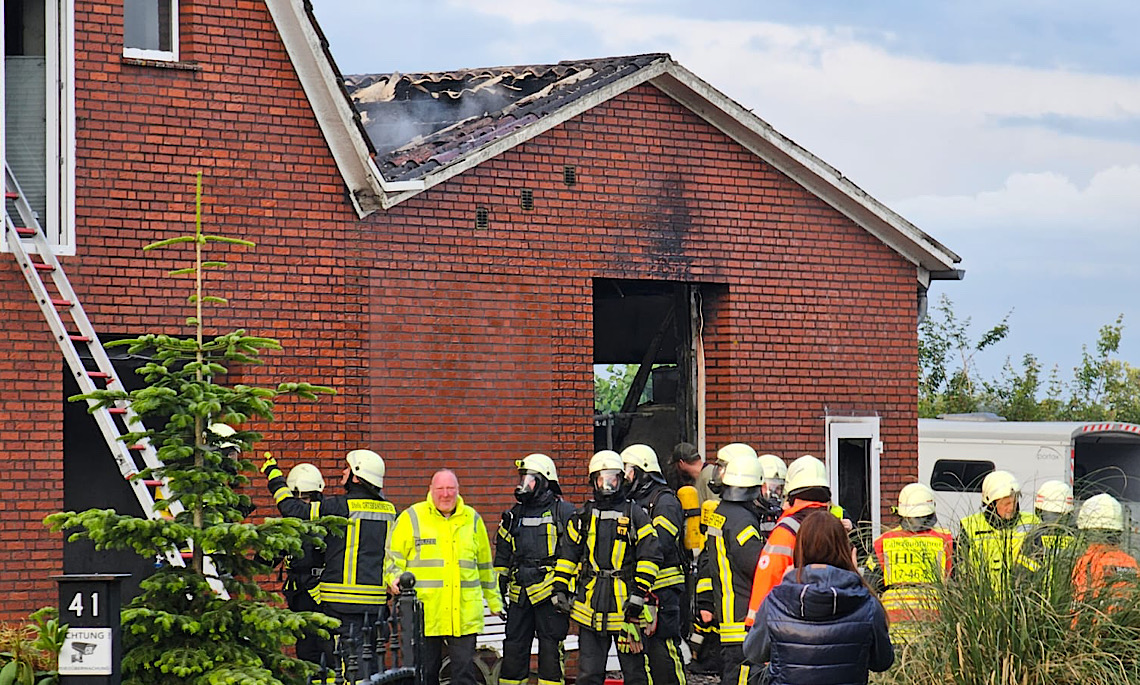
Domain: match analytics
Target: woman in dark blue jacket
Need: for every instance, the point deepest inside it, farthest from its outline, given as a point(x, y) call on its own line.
point(821, 625)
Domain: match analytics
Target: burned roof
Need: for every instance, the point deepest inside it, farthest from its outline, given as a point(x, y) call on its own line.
point(420, 122)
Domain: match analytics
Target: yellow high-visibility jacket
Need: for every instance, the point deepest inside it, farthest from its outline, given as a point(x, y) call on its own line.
point(451, 559)
point(994, 551)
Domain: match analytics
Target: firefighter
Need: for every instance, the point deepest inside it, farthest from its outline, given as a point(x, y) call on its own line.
point(526, 548)
point(1045, 543)
point(707, 648)
point(808, 489)
point(990, 540)
point(351, 587)
point(772, 489)
point(303, 573)
point(909, 561)
point(1101, 521)
point(731, 549)
point(611, 545)
point(649, 489)
point(221, 436)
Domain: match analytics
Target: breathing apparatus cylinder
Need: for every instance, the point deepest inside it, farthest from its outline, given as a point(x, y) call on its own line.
point(691, 506)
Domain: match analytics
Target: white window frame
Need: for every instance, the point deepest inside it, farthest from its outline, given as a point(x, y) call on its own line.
point(158, 55)
point(857, 428)
point(59, 224)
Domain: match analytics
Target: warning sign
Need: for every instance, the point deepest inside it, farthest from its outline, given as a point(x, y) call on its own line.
point(86, 651)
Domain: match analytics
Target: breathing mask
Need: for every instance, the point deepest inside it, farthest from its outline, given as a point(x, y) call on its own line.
point(608, 484)
point(531, 483)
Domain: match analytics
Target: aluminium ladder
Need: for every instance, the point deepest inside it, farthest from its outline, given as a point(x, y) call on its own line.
point(60, 301)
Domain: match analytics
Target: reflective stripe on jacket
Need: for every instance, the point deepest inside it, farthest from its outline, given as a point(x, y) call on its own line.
point(615, 553)
point(777, 554)
point(526, 547)
point(995, 551)
point(451, 559)
point(356, 562)
point(728, 562)
point(912, 563)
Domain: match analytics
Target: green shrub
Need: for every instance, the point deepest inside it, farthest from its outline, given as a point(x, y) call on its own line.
point(29, 652)
point(1030, 630)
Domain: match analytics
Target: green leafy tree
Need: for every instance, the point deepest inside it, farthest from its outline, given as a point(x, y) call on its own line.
point(1103, 386)
point(611, 387)
point(948, 381)
point(179, 629)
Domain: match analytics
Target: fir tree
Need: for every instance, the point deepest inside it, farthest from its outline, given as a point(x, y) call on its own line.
point(180, 629)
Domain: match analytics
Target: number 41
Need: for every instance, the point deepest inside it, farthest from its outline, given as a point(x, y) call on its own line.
point(76, 606)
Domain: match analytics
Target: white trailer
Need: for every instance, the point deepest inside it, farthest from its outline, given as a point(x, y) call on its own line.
point(956, 453)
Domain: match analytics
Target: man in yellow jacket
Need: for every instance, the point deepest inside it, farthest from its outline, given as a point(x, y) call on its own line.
point(444, 543)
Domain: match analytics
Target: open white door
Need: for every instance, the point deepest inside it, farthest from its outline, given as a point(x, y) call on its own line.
point(853, 453)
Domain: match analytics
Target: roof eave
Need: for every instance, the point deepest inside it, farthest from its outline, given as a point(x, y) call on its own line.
point(334, 112)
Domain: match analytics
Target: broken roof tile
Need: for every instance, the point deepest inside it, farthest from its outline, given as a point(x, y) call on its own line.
point(420, 122)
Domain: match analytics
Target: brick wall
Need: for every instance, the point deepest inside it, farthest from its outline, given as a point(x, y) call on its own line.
point(482, 339)
point(234, 111)
point(448, 346)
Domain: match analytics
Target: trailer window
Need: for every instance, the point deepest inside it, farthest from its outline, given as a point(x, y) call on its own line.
point(959, 475)
point(1107, 464)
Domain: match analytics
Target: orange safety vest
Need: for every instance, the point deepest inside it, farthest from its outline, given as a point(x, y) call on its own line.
point(912, 563)
point(1096, 565)
point(776, 557)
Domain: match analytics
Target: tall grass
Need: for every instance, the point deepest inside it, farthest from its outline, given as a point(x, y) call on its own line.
point(1029, 629)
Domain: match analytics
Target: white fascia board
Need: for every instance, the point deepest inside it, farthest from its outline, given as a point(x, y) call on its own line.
point(335, 115)
point(806, 169)
point(541, 126)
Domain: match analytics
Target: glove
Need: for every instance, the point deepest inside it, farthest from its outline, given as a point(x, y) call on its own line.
point(561, 601)
point(629, 639)
point(633, 608)
point(269, 463)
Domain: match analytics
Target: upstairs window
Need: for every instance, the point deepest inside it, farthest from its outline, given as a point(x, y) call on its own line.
point(150, 29)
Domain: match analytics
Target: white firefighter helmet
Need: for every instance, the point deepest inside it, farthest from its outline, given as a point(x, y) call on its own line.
point(540, 464)
point(605, 460)
point(999, 484)
point(641, 456)
point(806, 472)
point(367, 466)
point(223, 431)
point(774, 467)
point(1101, 512)
point(731, 451)
point(743, 472)
point(1054, 496)
point(916, 501)
point(305, 477)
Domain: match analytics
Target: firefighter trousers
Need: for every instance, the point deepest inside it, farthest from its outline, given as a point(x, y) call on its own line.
point(526, 621)
point(663, 648)
point(310, 646)
point(737, 671)
point(593, 649)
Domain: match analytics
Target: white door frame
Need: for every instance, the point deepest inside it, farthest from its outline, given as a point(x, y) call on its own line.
point(858, 428)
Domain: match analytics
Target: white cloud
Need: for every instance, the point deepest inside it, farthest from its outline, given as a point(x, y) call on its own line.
point(1036, 203)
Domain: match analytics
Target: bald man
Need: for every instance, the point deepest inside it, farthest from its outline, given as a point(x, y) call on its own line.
point(444, 543)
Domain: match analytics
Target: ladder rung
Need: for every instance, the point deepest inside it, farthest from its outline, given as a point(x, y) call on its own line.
point(100, 374)
point(40, 266)
point(60, 302)
point(118, 411)
point(79, 338)
point(152, 483)
point(9, 195)
point(25, 232)
point(137, 447)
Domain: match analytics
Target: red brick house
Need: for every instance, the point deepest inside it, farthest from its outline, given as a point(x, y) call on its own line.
point(452, 252)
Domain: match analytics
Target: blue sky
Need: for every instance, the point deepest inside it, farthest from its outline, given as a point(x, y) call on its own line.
point(1009, 131)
